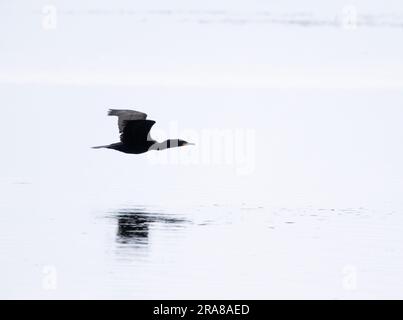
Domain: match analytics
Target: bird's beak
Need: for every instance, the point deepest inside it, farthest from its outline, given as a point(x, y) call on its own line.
point(189, 144)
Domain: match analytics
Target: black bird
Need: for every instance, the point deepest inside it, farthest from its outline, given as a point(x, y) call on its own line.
point(135, 134)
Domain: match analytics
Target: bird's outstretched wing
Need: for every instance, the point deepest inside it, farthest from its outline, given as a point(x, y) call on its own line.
point(126, 115)
point(136, 132)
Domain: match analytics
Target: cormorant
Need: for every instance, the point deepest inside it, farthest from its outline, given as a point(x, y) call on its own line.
point(135, 134)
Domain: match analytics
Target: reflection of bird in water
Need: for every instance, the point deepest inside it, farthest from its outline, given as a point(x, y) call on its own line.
point(135, 134)
point(132, 228)
point(134, 225)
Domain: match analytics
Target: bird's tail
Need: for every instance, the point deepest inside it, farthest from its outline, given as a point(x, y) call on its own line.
point(100, 147)
point(114, 112)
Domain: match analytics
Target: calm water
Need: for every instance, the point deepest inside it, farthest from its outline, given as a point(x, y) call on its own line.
point(77, 223)
point(199, 251)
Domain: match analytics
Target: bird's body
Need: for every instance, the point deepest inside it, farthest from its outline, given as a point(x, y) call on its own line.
point(135, 134)
point(119, 146)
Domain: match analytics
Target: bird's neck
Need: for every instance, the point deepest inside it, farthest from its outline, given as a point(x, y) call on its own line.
point(167, 144)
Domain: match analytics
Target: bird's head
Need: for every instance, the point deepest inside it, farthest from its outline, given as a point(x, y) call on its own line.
point(183, 143)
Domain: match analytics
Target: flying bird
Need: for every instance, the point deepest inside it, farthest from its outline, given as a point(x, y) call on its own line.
point(135, 135)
